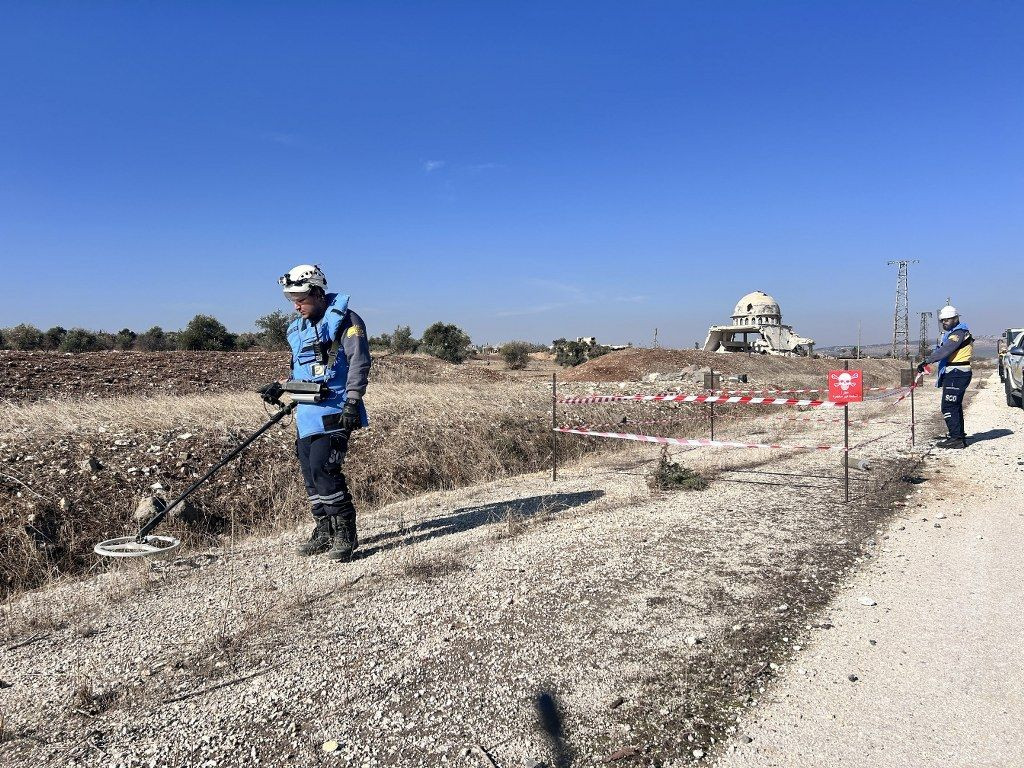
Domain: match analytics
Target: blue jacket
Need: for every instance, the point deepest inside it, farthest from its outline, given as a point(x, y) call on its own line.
point(310, 345)
point(955, 348)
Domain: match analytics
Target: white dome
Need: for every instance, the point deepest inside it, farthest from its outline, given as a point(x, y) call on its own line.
point(757, 305)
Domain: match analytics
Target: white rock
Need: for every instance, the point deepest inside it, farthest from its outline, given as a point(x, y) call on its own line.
point(864, 600)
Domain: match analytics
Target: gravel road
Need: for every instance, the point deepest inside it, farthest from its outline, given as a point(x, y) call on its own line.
point(938, 660)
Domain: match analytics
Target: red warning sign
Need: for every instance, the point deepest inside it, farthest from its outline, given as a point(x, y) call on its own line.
point(845, 386)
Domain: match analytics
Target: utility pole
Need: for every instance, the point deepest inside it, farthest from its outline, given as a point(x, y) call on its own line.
point(655, 338)
point(901, 316)
point(922, 351)
point(859, 324)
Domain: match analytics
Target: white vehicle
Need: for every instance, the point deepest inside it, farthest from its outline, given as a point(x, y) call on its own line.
point(1013, 371)
point(1002, 345)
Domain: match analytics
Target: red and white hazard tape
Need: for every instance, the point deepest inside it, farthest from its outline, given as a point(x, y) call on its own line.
point(685, 398)
point(793, 391)
point(693, 442)
point(739, 397)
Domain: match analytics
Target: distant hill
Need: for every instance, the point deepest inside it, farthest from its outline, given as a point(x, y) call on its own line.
point(984, 346)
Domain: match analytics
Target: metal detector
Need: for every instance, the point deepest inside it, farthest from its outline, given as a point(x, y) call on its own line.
point(143, 544)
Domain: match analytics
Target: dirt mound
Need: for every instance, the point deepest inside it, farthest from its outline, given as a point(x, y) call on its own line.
point(41, 375)
point(762, 370)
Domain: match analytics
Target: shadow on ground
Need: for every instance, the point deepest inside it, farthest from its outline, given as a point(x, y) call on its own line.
point(468, 518)
point(992, 434)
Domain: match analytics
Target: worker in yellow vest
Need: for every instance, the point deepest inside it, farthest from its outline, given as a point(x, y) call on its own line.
point(953, 354)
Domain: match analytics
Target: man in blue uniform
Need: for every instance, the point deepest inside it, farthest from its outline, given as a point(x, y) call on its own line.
point(328, 345)
point(954, 358)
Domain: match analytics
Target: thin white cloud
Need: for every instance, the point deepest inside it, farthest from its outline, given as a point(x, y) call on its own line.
point(567, 296)
point(284, 139)
point(429, 166)
point(537, 309)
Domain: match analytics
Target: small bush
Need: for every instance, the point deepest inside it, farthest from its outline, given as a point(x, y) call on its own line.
point(125, 339)
point(205, 332)
point(53, 337)
point(516, 355)
point(573, 353)
point(382, 342)
point(570, 353)
point(274, 329)
point(669, 475)
point(402, 340)
point(80, 340)
point(24, 337)
point(153, 340)
point(248, 340)
point(447, 342)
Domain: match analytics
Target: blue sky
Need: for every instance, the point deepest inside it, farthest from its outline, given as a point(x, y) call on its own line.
point(525, 170)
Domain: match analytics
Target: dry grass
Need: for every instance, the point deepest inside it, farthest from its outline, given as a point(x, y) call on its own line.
point(422, 437)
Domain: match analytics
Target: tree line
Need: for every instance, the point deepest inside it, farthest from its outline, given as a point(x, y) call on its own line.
point(204, 332)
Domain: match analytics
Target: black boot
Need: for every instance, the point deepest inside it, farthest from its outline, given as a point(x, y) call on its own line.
point(343, 538)
point(319, 540)
point(953, 442)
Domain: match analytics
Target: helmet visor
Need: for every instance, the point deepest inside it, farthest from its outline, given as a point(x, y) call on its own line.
point(294, 290)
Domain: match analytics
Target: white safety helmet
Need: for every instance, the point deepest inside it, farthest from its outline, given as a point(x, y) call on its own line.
point(948, 313)
point(297, 281)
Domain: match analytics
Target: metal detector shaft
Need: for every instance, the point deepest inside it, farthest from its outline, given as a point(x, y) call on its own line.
point(153, 523)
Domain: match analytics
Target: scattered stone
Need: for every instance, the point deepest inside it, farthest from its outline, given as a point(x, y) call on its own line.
point(864, 600)
point(937, 525)
point(91, 464)
point(744, 739)
point(852, 678)
point(783, 607)
point(698, 754)
point(148, 508)
point(940, 516)
point(621, 754)
point(330, 746)
point(617, 702)
point(692, 640)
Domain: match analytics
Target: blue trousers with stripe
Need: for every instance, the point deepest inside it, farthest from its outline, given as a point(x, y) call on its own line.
point(954, 385)
point(321, 458)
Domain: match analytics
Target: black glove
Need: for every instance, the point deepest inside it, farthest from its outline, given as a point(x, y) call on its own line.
point(920, 367)
point(272, 392)
point(350, 418)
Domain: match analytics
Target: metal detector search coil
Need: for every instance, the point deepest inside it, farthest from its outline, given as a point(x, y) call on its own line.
point(133, 546)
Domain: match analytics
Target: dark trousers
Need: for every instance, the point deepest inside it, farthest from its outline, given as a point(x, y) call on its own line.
point(954, 386)
point(321, 458)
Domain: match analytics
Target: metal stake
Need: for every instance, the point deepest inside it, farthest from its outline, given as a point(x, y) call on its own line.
point(712, 405)
point(913, 386)
point(846, 443)
point(554, 426)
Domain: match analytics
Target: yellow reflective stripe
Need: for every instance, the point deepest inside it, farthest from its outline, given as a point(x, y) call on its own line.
point(962, 355)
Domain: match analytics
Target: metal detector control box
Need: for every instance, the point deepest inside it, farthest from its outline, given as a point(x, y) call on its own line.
point(307, 391)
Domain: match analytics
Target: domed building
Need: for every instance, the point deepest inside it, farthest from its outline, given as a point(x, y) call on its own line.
point(757, 327)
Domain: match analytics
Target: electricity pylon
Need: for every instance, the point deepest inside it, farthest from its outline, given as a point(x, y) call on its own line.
point(901, 317)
